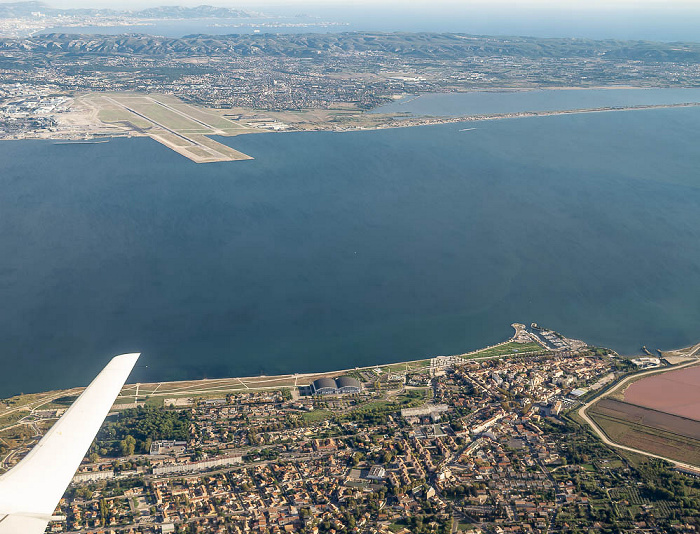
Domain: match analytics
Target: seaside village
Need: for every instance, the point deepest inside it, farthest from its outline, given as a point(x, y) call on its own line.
point(453, 444)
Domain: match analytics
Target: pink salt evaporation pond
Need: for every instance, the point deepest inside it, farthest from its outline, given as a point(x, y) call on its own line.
point(675, 392)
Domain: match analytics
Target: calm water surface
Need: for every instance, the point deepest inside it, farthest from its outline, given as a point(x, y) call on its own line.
point(334, 250)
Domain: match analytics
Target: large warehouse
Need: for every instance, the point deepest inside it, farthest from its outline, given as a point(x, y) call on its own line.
point(339, 386)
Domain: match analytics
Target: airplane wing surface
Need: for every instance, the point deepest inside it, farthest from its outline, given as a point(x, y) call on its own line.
point(30, 491)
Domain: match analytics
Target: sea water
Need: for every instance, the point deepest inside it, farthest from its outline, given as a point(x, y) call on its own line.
point(336, 250)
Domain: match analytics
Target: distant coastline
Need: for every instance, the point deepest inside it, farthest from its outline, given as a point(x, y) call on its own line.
point(209, 150)
point(428, 120)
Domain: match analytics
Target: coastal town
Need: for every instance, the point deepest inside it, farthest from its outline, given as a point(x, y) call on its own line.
point(481, 442)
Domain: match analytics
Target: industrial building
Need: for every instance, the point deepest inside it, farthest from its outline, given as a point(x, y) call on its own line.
point(338, 386)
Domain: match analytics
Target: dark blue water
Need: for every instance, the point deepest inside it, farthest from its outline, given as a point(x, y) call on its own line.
point(335, 250)
point(493, 102)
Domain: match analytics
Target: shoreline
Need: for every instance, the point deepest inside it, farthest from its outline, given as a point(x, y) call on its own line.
point(381, 122)
point(270, 382)
point(214, 386)
point(261, 378)
point(140, 391)
point(428, 120)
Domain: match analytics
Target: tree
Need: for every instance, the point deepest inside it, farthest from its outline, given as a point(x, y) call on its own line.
point(128, 445)
point(84, 493)
point(104, 511)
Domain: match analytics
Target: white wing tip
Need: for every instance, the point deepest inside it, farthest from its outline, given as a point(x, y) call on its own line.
point(30, 490)
point(126, 359)
point(123, 363)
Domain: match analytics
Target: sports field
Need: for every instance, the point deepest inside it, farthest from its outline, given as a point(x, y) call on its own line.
point(180, 126)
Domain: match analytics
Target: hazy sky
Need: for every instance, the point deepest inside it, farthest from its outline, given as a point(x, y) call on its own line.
point(460, 4)
point(662, 20)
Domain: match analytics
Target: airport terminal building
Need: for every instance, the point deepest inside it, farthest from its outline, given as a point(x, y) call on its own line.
point(339, 386)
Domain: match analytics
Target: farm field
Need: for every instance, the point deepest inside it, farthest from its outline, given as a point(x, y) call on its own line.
point(660, 433)
point(650, 418)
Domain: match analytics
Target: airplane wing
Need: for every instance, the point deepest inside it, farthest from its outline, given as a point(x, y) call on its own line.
point(30, 491)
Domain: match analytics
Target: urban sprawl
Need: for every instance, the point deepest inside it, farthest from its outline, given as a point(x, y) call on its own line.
point(484, 442)
point(319, 81)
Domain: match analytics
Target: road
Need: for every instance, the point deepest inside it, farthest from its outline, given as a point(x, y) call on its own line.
point(28, 420)
point(604, 438)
